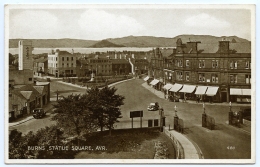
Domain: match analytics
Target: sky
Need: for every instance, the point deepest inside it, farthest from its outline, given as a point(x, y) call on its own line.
point(99, 22)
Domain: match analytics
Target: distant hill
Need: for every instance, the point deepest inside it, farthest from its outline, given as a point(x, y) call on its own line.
point(149, 41)
point(105, 44)
point(129, 41)
point(55, 43)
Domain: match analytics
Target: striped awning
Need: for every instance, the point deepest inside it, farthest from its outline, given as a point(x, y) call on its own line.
point(246, 92)
point(212, 91)
point(175, 88)
point(201, 90)
point(146, 78)
point(167, 86)
point(237, 91)
point(154, 82)
point(188, 88)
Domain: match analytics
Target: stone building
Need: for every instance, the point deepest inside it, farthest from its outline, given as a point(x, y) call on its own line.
point(214, 72)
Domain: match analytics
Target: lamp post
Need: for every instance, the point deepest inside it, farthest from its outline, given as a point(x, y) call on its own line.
point(204, 108)
point(230, 114)
point(175, 109)
point(204, 117)
point(176, 119)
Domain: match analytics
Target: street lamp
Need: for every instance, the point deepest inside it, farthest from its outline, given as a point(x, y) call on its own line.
point(204, 108)
point(175, 109)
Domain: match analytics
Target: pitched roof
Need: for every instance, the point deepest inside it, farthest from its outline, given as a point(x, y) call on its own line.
point(119, 61)
point(27, 94)
point(240, 47)
point(208, 48)
point(41, 60)
point(39, 89)
point(166, 52)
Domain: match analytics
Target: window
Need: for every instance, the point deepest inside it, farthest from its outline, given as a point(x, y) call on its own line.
point(248, 65)
point(214, 63)
point(67, 58)
point(187, 76)
point(179, 75)
point(67, 64)
point(214, 78)
point(202, 64)
point(62, 64)
point(62, 58)
point(233, 65)
point(201, 77)
point(233, 78)
point(30, 79)
point(187, 63)
point(71, 64)
point(56, 64)
point(56, 59)
point(72, 58)
point(248, 79)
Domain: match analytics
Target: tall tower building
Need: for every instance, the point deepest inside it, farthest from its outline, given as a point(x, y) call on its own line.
point(25, 55)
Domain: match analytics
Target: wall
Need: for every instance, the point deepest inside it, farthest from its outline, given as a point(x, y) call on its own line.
point(21, 77)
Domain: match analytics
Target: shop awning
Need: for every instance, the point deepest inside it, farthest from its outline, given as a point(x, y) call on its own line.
point(154, 82)
point(167, 86)
point(212, 91)
point(201, 90)
point(175, 88)
point(235, 91)
point(188, 88)
point(246, 92)
point(146, 78)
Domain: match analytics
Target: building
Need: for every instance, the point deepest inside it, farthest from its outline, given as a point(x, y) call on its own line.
point(24, 74)
point(214, 72)
point(24, 99)
point(24, 93)
point(120, 66)
point(40, 66)
point(61, 63)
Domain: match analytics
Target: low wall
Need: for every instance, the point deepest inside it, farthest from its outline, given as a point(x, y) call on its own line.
point(246, 122)
point(179, 151)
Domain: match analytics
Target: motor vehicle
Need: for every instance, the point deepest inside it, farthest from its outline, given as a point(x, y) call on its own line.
point(153, 106)
point(38, 113)
point(173, 98)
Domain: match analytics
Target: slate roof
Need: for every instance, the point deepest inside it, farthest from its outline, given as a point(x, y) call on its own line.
point(39, 89)
point(119, 61)
point(26, 94)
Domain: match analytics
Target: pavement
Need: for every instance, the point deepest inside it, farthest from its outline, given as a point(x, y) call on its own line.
point(47, 108)
point(189, 149)
point(160, 94)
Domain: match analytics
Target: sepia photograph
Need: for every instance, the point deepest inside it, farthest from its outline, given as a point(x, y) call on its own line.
point(125, 83)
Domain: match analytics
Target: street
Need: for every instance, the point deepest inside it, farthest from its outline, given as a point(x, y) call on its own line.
point(225, 142)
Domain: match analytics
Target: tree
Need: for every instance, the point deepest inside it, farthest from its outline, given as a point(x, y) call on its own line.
point(73, 116)
point(11, 59)
point(24, 147)
point(105, 105)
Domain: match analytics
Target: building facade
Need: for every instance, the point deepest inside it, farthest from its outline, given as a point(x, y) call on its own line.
point(61, 63)
point(214, 72)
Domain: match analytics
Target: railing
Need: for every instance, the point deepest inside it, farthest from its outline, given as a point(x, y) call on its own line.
point(177, 145)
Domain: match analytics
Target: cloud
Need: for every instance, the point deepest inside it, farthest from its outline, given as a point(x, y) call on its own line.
point(98, 23)
point(204, 20)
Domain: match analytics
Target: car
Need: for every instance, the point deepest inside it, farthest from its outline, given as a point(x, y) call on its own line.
point(153, 106)
point(38, 113)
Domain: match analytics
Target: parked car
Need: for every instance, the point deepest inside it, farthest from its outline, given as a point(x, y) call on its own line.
point(153, 106)
point(173, 98)
point(38, 113)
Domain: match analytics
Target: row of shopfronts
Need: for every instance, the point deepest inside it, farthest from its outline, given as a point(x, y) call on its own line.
point(200, 92)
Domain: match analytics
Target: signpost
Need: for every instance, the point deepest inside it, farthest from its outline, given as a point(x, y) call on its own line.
point(134, 114)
